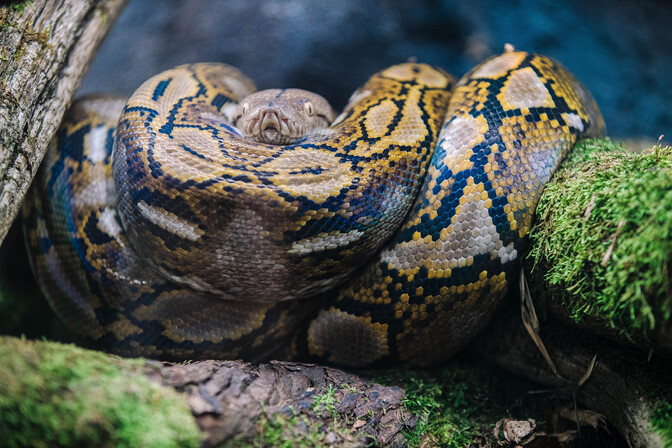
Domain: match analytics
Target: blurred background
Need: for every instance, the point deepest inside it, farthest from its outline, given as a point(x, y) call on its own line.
point(621, 49)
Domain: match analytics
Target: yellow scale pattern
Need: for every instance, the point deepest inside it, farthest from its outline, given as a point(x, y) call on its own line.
point(182, 239)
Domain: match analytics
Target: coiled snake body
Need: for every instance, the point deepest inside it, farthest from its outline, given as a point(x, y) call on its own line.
point(388, 237)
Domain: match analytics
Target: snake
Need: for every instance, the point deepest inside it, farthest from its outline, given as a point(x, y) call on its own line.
point(202, 219)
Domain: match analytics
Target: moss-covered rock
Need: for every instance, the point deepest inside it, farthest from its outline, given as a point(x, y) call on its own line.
point(60, 395)
point(602, 246)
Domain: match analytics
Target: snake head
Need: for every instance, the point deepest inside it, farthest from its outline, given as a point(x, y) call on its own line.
point(282, 116)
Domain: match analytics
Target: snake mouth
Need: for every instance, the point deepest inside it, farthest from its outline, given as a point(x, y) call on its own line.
point(271, 134)
point(271, 127)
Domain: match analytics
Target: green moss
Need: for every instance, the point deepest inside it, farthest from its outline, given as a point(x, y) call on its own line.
point(309, 428)
point(282, 431)
point(20, 7)
point(630, 200)
point(326, 402)
point(661, 422)
point(60, 395)
point(460, 402)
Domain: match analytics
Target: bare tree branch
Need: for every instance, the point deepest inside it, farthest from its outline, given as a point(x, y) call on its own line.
point(45, 48)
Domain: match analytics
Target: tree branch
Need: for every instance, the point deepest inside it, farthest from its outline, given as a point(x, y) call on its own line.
point(45, 48)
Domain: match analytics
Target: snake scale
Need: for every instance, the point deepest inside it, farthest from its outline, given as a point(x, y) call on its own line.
point(156, 228)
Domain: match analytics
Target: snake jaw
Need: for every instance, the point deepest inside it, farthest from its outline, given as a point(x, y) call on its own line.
point(271, 126)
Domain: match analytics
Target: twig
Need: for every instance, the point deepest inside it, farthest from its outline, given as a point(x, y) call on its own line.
point(607, 255)
point(591, 206)
point(531, 322)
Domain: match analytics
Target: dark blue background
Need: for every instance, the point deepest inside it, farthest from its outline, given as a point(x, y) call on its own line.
point(622, 50)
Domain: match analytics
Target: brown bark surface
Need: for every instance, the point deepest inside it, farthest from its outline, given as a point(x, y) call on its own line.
point(45, 48)
point(232, 400)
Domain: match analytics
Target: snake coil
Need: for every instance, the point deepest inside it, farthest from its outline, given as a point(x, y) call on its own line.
point(156, 229)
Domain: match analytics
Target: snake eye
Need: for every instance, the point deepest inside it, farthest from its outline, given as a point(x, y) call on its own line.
point(246, 108)
point(309, 108)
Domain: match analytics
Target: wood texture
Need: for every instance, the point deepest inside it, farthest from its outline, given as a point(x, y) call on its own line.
point(45, 48)
point(229, 399)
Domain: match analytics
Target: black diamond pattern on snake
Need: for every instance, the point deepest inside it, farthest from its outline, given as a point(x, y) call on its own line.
point(200, 220)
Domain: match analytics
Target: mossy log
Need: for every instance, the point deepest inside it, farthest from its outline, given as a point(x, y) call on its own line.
point(601, 253)
point(601, 265)
point(45, 48)
point(54, 394)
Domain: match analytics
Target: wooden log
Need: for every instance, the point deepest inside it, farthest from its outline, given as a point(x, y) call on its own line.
point(45, 49)
point(62, 395)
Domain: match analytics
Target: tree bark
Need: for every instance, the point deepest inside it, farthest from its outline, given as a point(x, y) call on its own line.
point(233, 400)
point(45, 48)
point(63, 395)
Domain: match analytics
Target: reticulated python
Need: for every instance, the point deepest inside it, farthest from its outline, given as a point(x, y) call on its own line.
point(388, 237)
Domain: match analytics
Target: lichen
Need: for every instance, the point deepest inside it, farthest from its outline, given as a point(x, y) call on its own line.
point(53, 394)
point(26, 34)
point(603, 240)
